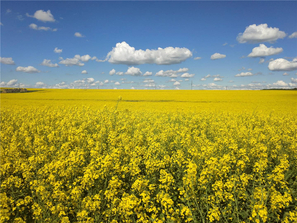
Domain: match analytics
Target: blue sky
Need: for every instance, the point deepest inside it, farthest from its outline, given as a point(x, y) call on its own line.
point(153, 45)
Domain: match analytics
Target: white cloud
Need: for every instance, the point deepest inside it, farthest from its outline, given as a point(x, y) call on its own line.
point(77, 34)
point(43, 16)
point(294, 80)
point(106, 81)
point(293, 35)
point(48, 63)
point(187, 75)
point(134, 71)
point(84, 72)
point(180, 70)
point(285, 74)
point(225, 44)
point(90, 80)
point(280, 84)
point(12, 82)
point(123, 53)
point(148, 81)
point(8, 11)
point(249, 69)
point(148, 73)
point(217, 56)
point(120, 73)
point(197, 58)
point(56, 50)
point(282, 65)
point(76, 60)
point(7, 60)
point(112, 72)
point(203, 79)
point(262, 60)
point(260, 33)
point(171, 73)
point(28, 69)
point(176, 83)
point(1, 23)
point(34, 26)
point(40, 84)
point(217, 79)
point(117, 83)
point(263, 51)
point(85, 58)
point(242, 74)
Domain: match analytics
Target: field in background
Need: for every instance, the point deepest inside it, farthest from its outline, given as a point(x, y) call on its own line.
point(148, 156)
point(284, 101)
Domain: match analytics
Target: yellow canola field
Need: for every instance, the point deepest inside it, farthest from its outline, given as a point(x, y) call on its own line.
point(148, 156)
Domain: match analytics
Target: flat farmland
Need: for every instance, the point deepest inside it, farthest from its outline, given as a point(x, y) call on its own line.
point(148, 156)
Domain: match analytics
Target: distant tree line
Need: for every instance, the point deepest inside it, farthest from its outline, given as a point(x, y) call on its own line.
point(281, 89)
point(14, 90)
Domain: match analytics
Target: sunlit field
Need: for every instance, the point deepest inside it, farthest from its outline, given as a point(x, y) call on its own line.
point(148, 156)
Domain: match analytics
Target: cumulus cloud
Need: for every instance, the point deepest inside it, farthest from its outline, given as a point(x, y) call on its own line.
point(90, 80)
point(242, 74)
point(133, 71)
point(148, 81)
point(180, 70)
point(148, 73)
point(34, 26)
point(119, 73)
point(40, 84)
point(28, 69)
point(285, 74)
point(84, 72)
point(106, 81)
point(56, 50)
point(294, 80)
point(293, 35)
point(176, 83)
point(203, 79)
point(44, 16)
point(1, 23)
point(197, 58)
point(280, 84)
point(123, 53)
point(117, 83)
point(263, 51)
point(48, 63)
point(77, 34)
point(7, 60)
point(217, 56)
point(217, 79)
point(262, 60)
point(112, 72)
point(171, 73)
point(85, 58)
point(76, 60)
point(260, 33)
point(282, 65)
point(12, 82)
point(187, 75)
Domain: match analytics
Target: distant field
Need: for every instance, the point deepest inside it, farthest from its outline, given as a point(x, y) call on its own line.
point(148, 156)
point(284, 101)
